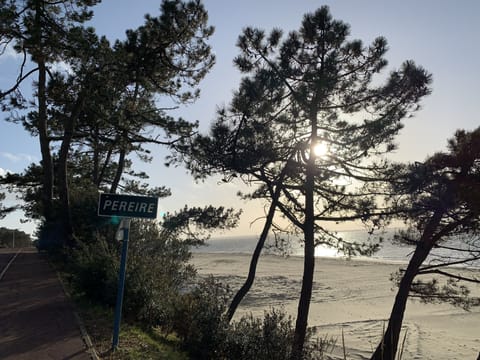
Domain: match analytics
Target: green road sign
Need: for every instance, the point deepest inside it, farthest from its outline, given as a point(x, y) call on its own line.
point(128, 206)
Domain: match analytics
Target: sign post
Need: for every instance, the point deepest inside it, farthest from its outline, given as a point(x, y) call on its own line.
point(125, 226)
point(126, 207)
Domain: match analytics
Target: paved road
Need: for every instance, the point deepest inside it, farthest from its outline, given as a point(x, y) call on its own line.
point(36, 319)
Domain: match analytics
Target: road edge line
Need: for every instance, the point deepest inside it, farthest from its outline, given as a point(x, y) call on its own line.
point(9, 263)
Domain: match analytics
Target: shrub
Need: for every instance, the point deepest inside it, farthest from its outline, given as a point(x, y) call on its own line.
point(157, 269)
point(260, 339)
point(270, 337)
point(200, 320)
point(94, 272)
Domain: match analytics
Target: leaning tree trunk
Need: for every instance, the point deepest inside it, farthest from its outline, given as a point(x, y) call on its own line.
point(256, 254)
point(275, 195)
point(388, 347)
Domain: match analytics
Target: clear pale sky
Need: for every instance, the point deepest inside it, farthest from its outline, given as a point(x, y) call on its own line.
point(440, 35)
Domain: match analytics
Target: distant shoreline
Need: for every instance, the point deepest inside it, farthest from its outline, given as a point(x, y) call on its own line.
point(389, 253)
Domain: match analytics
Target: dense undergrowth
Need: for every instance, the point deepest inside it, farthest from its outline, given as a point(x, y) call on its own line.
point(169, 311)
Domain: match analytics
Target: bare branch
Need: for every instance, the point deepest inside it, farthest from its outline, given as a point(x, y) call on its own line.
point(450, 275)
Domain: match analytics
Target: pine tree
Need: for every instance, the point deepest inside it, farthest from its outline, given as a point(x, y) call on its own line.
point(107, 98)
point(438, 200)
point(313, 112)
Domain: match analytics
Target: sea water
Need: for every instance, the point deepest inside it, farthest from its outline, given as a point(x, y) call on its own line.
point(390, 251)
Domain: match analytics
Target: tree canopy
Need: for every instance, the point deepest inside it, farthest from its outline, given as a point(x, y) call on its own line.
point(92, 118)
point(4, 210)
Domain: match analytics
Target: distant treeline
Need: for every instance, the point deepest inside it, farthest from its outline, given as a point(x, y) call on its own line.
point(9, 237)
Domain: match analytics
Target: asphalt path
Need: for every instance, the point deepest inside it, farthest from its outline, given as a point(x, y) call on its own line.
point(37, 320)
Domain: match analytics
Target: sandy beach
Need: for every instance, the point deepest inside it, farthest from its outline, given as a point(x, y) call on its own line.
point(352, 295)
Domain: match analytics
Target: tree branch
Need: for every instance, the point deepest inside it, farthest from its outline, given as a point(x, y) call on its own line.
point(444, 273)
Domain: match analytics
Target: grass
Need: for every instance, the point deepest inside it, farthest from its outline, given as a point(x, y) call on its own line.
point(135, 342)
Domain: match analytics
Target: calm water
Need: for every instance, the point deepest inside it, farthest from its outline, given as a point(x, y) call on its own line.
point(388, 252)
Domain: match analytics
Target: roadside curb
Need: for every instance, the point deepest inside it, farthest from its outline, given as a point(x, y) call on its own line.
point(86, 338)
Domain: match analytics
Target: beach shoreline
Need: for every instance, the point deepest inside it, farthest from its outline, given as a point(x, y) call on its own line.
point(350, 295)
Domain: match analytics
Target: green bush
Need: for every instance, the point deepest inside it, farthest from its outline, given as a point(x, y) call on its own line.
point(200, 322)
point(199, 319)
point(253, 338)
point(157, 270)
point(94, 272)
point(270, 337)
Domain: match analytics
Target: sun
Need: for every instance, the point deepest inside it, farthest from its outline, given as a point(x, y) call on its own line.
point(320, 149)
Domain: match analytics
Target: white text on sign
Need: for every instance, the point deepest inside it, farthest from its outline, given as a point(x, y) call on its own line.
point(129, 206)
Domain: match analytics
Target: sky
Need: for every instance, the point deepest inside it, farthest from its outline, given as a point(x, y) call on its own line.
point(440, 35)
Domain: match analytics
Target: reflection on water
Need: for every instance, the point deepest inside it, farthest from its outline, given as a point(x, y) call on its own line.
point(324, 251)
point(388, 252)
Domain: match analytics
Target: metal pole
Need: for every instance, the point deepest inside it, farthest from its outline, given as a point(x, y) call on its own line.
point(13, 239)
point(121, 283)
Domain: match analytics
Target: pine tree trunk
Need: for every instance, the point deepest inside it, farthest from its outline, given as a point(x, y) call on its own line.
point(102, 171)
point(63, 187)
point(47, 162)
point(254, 261)
point(119, 172)
point(258, 249)
point(305, 297)
point(388, 347)
point(308, 265)
point(96, 157)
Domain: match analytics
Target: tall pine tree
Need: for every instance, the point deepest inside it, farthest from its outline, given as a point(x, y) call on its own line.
point(313, 113)
point(438, 200)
